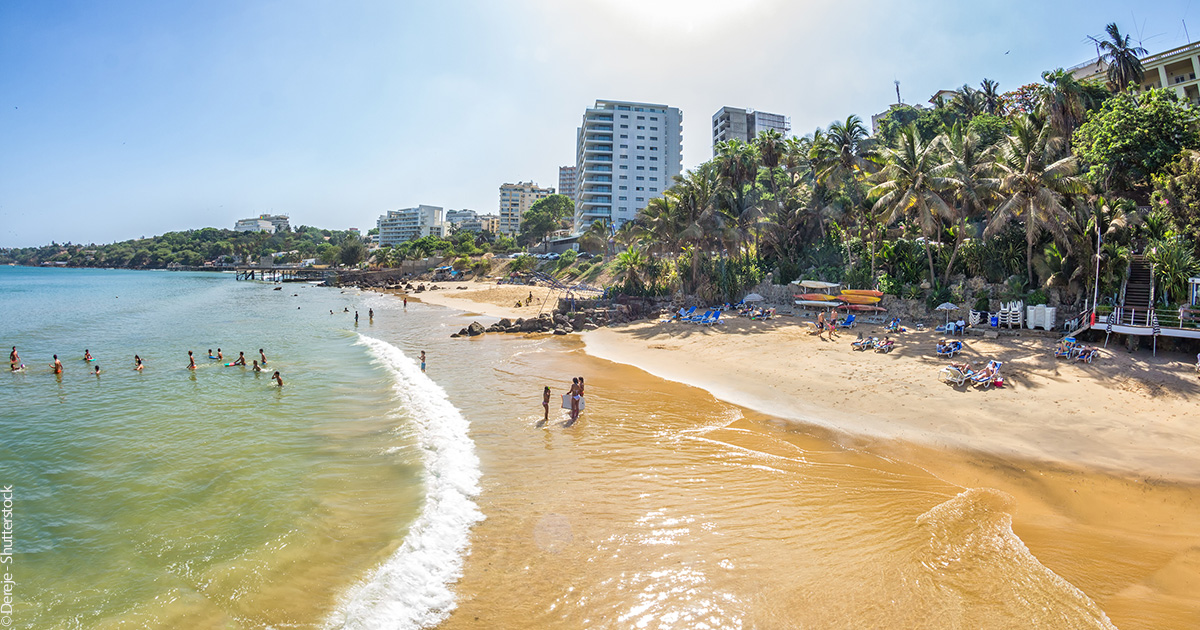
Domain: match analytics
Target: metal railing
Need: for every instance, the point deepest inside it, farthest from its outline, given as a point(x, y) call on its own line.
point(1182, 318)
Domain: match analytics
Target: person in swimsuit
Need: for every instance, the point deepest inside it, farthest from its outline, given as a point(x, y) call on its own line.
point(277, 378)
point(210, 354)
point(97, 372)
point(422, 360)
point(546, 404)
point(370, 313)
point(57, 365)
point(87, 356)
point(220, 357)
point(137, 363)
point(14, 360)
point(406, 301)
point(355, 317)
point(256, 368)
point(191, 361)
point(241, 360)
point(821, 324)
point(262, 356)
point(573, 393)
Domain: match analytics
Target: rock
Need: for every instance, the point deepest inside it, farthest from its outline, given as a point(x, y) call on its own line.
point(475, 329)
point(462, 333)
point(529, 325)
point(455, 336)
point(513, 329)
point(495, 328)
point(504, 323)
point(559, 331)
point(589, 326)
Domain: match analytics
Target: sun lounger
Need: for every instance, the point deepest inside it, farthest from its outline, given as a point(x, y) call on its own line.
point(987, 376)
point(863, 343)
point(885, 346)
point(957, 374)
point(700, 318)
point(708, 317)
point(716, 319)
point(1086, 355)
point(949, 349)
point(849, 323)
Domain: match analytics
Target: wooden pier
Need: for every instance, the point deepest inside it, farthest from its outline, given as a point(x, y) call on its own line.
point(279, 273)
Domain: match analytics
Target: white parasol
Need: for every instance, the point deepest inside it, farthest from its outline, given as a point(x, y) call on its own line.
point(946, 306)
point(753, 297)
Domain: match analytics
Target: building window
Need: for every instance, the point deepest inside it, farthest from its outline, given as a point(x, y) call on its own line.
point(640, 178)
point(641, 137)
point(622, 199)
point(624, 127)
point(624, 115)
point(653, 138)
point(640, 157)
point(623, 136)
point(652, 189)
point(653, 179)
point(654, 168)
point(653, 148)
point(639, 188)
point(624, 166)
point(624, 157)
point(622, 188)
point(624, 146)
point(624, 176)
point(641, 198)
point(652, 158)
point(642, 168)
point(641, 127)
point(641, 147)
point(654, 118)
point(654, 129)
point(641, 118)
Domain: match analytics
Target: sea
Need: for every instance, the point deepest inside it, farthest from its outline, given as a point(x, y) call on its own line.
point(368, 494)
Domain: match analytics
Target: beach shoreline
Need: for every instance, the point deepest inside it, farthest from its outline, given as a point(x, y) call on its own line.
point(1126, 414)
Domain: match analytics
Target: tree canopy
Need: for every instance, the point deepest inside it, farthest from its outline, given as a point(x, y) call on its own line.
point(546, 215)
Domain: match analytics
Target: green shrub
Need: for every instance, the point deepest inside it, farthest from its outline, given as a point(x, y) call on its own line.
point(482, 267)
point(1036, 298)
point(461, 263)
point(982, 303)
point(583, 267)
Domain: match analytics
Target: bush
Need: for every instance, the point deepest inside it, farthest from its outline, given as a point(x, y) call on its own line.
point(461, 263)
point(583, 267)
point(982, 303)
point(524, 262)
point(482, 267)
point(1036, 298)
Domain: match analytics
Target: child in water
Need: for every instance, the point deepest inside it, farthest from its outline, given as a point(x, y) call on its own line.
point(87, 356)
point(278, 379)
point(97, 372)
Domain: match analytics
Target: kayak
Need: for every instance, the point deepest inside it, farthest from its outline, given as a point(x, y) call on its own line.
point(864, 308)
point(816, 284)
point(816, 303)
point(869, 292)
point(859, 299)
point(817, 297)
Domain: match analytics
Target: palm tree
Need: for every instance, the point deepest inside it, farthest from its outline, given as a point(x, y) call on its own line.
point(629, 267)
point(1032, 184)
point(1124, 67)
point(849, 148)
point(737, 165)
point(1065, 101)
point(968, 171)
point(990, 93)
point(595, 237)
point(696, 201)
point(911, 187)
point(968, 102)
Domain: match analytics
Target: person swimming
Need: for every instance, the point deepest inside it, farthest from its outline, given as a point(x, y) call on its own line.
point(57, 365)
point(211, 355)
point(277, 378)
point(241, 360)
point(191, 361)
point(97, 372)
point(137, 363)
point(262, 356)
point(87, 356)
point(220, 357)
point(256, 367)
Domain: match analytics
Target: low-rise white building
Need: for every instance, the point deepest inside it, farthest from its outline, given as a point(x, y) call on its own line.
point(263, 223)
point(399, 226)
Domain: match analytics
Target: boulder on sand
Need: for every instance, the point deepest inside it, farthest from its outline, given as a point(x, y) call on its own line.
point(475, 329)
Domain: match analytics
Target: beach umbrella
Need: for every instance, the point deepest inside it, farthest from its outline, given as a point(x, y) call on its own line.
point(946, 306)
point(1108, 326)
point(753, 297)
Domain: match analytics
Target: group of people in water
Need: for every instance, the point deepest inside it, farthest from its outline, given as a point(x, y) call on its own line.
point(575, 397)
point(15, 364)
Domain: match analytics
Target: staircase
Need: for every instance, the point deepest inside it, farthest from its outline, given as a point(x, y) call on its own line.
point(1138, 285)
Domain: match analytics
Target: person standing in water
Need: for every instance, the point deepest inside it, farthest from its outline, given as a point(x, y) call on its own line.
point(137, 363)
point(256, 368)
point(573, 396)
point(355, 317)
point(14, 359)
point(545, 404)
point(422, 360)
point(191, 361)
point(57, 365)
point(210, 354)
point(277, 378)
point(370, 313)
point(262, 356)
point(241, 360)
point(97, 372)
point(220, 357)
point(87, 356)
point(406, 301)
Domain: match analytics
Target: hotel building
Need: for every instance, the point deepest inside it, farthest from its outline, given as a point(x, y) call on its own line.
point(398, 226)
point(263, 223)
point(732, 123)
point(566, 181)
point(626, 153)
point(1175, 68)
point(515, 201)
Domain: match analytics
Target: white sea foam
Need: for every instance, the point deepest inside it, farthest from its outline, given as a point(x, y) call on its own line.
point(412, 589)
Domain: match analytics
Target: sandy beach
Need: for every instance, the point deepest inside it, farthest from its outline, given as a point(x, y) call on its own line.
point(1129, 414)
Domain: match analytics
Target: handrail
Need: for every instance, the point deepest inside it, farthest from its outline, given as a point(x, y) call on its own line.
point(1140, 317)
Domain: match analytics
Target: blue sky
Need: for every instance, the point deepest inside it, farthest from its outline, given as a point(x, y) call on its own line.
point(128, 119)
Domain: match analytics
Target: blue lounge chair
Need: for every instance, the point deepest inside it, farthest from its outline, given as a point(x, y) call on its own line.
point(707, 317)
point(716, 319)
point(849, 323)
point(684, 315)
point(699, 318)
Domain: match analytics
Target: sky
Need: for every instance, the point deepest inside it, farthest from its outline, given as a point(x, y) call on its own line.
point(125, 119)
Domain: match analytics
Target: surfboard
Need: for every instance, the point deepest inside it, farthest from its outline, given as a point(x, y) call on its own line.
point(566, 402)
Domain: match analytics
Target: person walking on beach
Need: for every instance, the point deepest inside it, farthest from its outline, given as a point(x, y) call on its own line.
point(262, 356)
point(191, 361)
point(137, 363)
point(821, 324)
point(277, 378)
point(57, 365)
point(241, 360)
point(422, 360)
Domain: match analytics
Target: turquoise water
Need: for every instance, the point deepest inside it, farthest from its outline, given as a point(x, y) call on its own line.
point(211, 498)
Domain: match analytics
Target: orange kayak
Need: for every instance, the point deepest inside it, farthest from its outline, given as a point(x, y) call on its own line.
point(817, 297)
point(869, 292)
point(858, 299)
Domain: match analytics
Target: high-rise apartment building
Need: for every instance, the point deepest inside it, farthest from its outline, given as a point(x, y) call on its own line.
point(566, 181)
point(398, 226)
point(626, 154)
point(733, 123)
point(515, 201)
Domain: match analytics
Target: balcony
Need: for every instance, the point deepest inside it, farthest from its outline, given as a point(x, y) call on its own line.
point(598, 178)
point(597, 158)
point(597, 168)
point(607, 138)
point(596, 189)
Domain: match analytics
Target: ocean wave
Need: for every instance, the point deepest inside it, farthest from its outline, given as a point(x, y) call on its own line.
point(412, 589)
